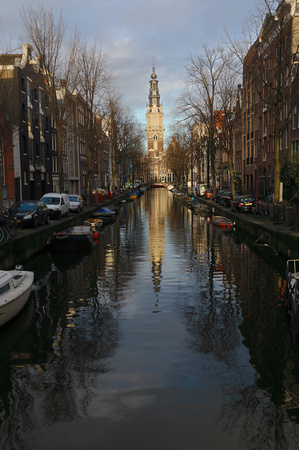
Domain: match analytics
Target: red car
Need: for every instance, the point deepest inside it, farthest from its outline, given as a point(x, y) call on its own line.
point(208, 193)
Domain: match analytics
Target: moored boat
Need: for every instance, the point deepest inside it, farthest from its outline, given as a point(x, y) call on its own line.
point(15, 289)
point(222, 222)
point(73, 238)
point(96, 223)
point(104, 213)
point(157, 185)
point(134, 195)
point(292, 277)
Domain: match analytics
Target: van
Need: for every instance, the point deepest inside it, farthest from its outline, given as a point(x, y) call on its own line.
point(201, 189)
point(58, 204)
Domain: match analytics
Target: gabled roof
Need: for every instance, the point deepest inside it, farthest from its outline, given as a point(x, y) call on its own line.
point(9, 59)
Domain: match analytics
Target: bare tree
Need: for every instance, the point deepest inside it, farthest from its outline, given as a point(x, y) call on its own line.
point(226, 119)
point(46, 34)
point(200, 100)
point(93, 83)
point(179, 153)
point(270, 76)
point(130, 151)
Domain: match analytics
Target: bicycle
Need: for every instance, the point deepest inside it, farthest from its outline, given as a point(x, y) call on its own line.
point(8, 226)
point(259, 209)
point(4, 235)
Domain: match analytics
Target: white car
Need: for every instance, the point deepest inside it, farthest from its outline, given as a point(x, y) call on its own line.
point(76, 203)
point(58, 204)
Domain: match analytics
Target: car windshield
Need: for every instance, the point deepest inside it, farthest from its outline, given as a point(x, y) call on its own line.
point(24, 206)
point(51, 200)
point(73, 198)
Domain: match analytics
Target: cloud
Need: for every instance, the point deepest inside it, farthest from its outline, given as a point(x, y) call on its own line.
point(131, 32)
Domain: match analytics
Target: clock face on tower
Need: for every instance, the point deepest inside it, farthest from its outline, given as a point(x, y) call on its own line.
point(154, 109)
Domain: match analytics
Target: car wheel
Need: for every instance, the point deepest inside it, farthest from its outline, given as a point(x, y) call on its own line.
point(59, 215)
point(47, 221)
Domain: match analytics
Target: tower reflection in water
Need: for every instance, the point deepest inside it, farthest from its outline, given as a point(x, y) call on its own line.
point(156, 243)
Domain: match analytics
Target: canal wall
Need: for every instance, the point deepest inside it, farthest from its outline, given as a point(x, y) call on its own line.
point(263, 230)
point(28, 242)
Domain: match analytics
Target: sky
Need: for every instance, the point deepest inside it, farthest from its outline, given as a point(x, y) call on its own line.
point(133, 33)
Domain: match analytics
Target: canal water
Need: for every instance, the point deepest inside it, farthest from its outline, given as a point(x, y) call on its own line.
point(170, 334)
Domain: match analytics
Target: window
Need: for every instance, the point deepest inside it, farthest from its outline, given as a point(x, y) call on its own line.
point(295, 119)
point(29, 119)
point(42, 152)
point(265, 147)
point(295, 147)
point(24, 145)
point(28, 92)
point(4, 288)
point(31, 156)
point(54, 164)
point(41, 125)
point(23, 113)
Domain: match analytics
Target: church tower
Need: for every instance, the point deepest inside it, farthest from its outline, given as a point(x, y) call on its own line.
point(155, 130)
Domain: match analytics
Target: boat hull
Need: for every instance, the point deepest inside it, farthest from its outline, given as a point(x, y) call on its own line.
point(222, 222)
point(12, 302)
point(104, 213)
point(72, 239)
point(292, 278)
point(157, 185)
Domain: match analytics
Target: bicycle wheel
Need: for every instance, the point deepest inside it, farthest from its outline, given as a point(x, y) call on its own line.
point(4, 235)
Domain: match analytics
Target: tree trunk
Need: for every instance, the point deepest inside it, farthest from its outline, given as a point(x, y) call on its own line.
point(59, 160)
point(277, 165)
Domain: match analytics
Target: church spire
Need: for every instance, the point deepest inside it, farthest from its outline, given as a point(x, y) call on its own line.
point(154, 96)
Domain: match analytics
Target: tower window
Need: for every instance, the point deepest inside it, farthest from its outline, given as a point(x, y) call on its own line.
point(155, 137)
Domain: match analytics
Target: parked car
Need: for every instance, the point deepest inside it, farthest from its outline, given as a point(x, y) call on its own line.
point(208, 193)
point(76, 203)
point(58, 204)
point(219, 195)
point(243, 203)
point(227, 198)
point(29, 213)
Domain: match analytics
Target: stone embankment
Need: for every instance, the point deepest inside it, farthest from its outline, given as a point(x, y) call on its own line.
point(281, 237)
point(28, 242)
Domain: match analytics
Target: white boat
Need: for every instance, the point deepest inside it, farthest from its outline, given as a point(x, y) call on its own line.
point(15, 289)
point(292, 277)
